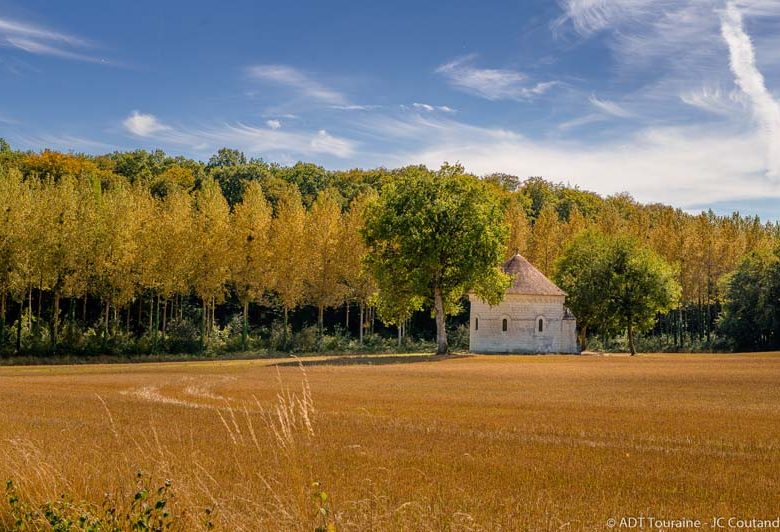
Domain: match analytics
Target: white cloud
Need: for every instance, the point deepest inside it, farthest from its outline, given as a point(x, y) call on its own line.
point(39, 40)
point(143, 125)
point(751, 81)
point(677, 165)
point(298, 81)
point(431, 108)
point(714, 100)
point(491, 83)
point(273, 124)
point(684, 52)
point(256, 140)
point(354, 107)
point(610, 108)
point(581, 121)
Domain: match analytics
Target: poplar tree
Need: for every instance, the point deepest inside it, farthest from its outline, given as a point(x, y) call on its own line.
point(360, 283)
point(212, 259)
point(250, 235)
point(290, 258)
point(325, 280)
point(519, 228)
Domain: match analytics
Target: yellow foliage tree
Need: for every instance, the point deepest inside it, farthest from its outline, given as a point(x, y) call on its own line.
point(250, 270)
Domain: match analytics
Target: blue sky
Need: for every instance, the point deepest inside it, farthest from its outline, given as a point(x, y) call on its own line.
point(675, 101)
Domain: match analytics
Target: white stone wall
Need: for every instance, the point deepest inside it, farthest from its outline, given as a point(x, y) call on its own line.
point(522, 335)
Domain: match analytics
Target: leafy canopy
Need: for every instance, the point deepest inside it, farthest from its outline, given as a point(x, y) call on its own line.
point(440, 230)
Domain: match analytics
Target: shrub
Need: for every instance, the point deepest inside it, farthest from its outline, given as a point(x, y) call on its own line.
point(306, 340)
point(279, 338)
point(182, 336)
point(459, 338)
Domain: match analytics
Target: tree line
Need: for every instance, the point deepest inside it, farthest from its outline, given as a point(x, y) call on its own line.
point(151, 240)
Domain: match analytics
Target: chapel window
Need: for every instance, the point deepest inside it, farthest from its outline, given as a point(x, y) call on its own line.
point(504, 325)
point(541, 325)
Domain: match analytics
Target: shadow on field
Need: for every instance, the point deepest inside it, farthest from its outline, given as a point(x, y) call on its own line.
point(369, 360)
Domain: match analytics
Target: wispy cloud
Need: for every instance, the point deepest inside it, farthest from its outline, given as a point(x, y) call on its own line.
point(751, 81)
point(39, 40)
point(715, 100)
point(610, 108)
point(678, 165)
point(65, 142)
point(431, 108)
point(683, 52)
point(298, 81)
point(256, 140)
point(273, 124)
point(491, 83)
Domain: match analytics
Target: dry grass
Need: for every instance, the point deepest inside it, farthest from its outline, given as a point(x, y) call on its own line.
point(473, 443)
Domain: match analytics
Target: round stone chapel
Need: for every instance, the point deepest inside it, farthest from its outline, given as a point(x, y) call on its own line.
point(532, 318)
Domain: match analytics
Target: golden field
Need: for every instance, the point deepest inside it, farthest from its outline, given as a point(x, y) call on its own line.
point(403, 443)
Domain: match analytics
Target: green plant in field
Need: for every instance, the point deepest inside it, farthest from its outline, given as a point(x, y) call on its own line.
point(324, 521)
point(148, 511)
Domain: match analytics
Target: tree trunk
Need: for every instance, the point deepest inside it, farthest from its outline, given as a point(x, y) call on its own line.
point(361, 322)
point(441, 332)
point(151, 315)
point(321, 319)
point(203, 339)
point(38, 313)
point(72, 311)
point(84, 311)
point(284, 336)
point(19, 329)
point(29, 309)
point(245, 327)
point(399, 335)
point(55, 319)
point(583, 337)
point(164, 317)
point(631, 347)
point(346, 319)
point(2, 319)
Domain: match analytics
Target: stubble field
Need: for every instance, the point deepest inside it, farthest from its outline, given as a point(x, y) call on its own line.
point(465, 443)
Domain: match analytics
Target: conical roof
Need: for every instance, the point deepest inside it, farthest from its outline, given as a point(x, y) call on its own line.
point(527, 280)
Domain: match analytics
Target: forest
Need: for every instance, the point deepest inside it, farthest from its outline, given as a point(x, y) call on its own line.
point(141, 252)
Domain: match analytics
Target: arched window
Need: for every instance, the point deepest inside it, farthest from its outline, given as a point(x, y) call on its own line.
point(504, 325)
point(476, 324)
point(541, 325)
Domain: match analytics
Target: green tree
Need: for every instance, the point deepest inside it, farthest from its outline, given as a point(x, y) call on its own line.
point(614, 283)
point(581, 273)
point(226, 157)
point(438, 235)
point(751, 316)
point(641, 285)
point(395, 308)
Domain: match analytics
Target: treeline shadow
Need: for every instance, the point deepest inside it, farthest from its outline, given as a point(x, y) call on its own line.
point(369, 360)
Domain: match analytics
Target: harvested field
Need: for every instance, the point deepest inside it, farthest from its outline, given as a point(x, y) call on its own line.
point(462, 443)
